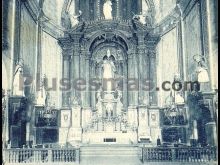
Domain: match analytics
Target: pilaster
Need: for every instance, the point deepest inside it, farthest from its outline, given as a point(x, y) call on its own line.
point(67, 52)
point(133, 85)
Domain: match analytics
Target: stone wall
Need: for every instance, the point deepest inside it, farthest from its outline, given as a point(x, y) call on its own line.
point(52, 9)
point(192, 39)
point(163, 8)
point(52, 66)
point(28, 41)
point(167, 62)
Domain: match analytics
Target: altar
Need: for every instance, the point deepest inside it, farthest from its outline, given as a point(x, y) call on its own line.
point(108, 119)
point(112, 60)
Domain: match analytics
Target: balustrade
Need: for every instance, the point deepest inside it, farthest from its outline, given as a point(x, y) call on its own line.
point(177, 154)
point(149, 154)
point(40, 155)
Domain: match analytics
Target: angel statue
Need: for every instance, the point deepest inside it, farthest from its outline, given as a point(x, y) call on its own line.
point(75, 19)
point(140, 17)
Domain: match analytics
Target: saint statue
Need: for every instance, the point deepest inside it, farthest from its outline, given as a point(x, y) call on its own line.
point(108, 70)
point(42, 95)
point(109, 110)
point(107, 9)
point(202, 72)
point(119, 106)
point(202, 69)
point(18, 82)
point(99, 103)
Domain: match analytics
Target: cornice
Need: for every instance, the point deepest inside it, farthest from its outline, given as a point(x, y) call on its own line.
point(47, 25)
point(168, 23)
point(189, 7)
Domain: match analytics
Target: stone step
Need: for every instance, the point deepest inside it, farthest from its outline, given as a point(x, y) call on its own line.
point(110, 151)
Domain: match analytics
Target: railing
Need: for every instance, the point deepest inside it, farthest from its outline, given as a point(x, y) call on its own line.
point(40, 155)
point(177, 154)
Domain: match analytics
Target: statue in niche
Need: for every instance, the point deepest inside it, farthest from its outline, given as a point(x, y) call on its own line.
point(119, 106)
point(108, 71)
point(42, 94)
point(109, 110)
point(18, 81)
point(99, 103)
point(107, 9)
point(75, 19)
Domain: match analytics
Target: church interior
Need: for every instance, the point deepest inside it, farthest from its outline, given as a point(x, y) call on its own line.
point(79, 73)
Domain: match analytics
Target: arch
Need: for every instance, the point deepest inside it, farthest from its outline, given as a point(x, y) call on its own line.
point(151, 6)
point(116, 32)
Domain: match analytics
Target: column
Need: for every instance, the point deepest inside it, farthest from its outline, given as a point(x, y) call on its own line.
point(75, 64)
point(212, 24)
point(66, 75)
point(14, 45)
point(125, 91)
point(77, 6)
point(87, 77)
point(143, 69)
point(98, 9)
point(84, 75)
point(92, 92)
point(139, 6)
point(132, 79)
point(152, 76)
point(38, 63)
point(117, 9)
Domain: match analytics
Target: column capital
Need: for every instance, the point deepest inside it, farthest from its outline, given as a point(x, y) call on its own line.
point(130, 53)
point(141, 49)
point(67, 52)
point(151, 53)
point(67, 57)
point(65, 43)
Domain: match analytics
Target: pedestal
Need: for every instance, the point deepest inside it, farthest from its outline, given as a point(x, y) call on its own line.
point(143, 123)
point(132, 116)
point(154, 124)
point(75, 136)
point(75, 131)
point(211, 134)
point(63, 135)
point(76, 117)
point(65, 122)
point(86, 117)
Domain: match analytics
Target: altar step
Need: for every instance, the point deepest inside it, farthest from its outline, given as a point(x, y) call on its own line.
point(109, 151)
point(109, 155)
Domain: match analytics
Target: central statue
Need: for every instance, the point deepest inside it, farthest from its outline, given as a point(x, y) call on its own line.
point(108, 70)
point(107, 9)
